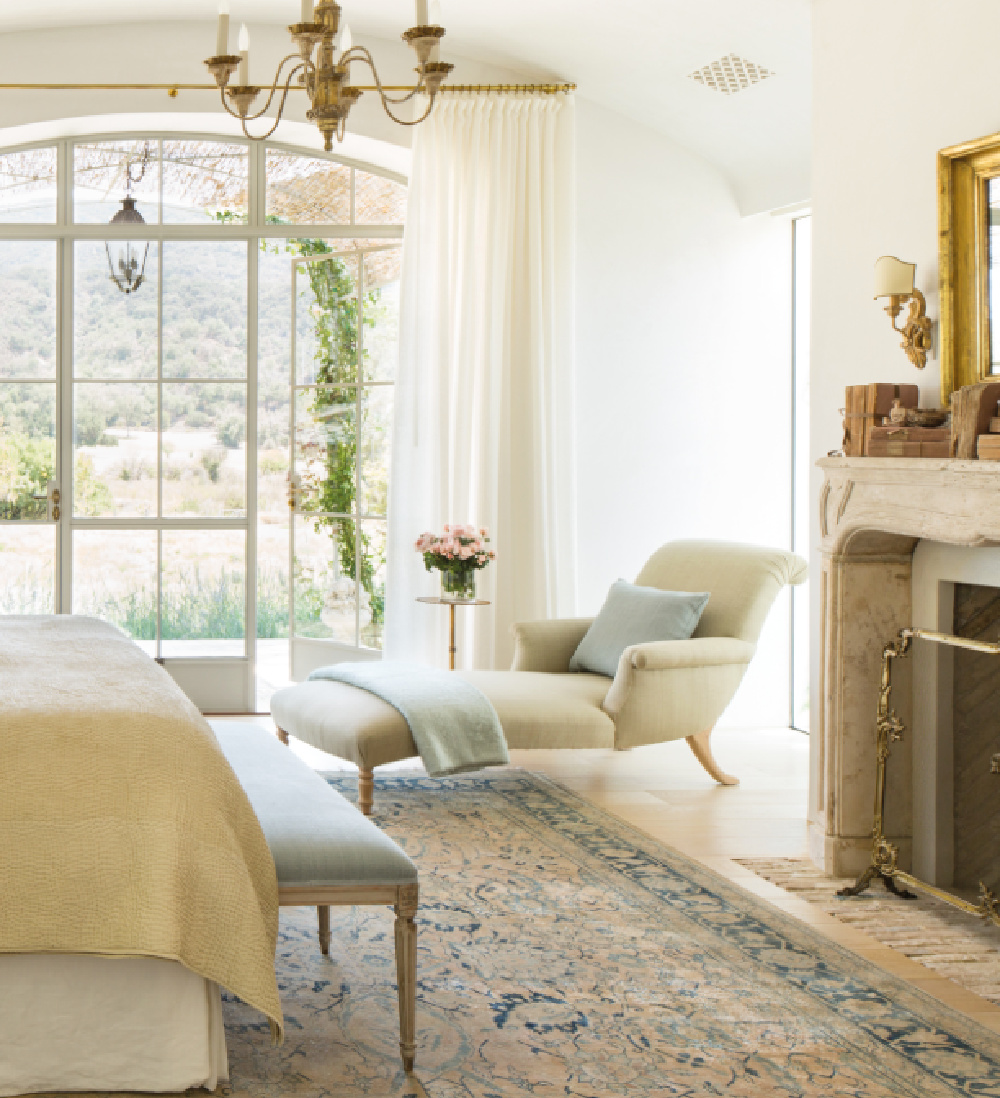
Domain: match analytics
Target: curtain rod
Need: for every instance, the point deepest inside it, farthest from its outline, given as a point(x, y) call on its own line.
point(173, 89)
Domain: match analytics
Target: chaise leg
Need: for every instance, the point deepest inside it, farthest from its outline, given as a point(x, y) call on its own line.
point(366, 790)
point(324, 929)
point(703, 753)
point(406, 971)
point(283, 736)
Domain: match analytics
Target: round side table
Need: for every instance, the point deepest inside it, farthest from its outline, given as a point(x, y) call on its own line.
point(451, 604)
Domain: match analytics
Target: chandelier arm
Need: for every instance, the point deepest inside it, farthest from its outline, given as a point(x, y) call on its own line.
point(277, 84)
point(412, 122)
point(284, 96)
point(226, 107)
point(366, 58)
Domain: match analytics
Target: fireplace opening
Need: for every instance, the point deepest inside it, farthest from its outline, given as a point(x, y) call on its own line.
point(976, 740)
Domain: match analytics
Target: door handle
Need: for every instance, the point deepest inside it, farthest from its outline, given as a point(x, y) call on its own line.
point(52, 499)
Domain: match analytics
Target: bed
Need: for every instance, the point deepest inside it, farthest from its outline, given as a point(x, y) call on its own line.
point(136, 880)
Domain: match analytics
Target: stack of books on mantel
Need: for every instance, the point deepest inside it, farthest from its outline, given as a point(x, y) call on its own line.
point(910, 442)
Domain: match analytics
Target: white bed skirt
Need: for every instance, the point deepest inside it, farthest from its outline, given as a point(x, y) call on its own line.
point(71, 1022)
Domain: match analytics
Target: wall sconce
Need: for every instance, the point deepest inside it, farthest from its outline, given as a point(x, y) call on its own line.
point(894, 280)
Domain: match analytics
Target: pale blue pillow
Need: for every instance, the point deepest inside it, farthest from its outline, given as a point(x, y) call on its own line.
point(636, 615)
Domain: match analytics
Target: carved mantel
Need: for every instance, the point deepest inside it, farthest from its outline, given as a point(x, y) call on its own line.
point(872, 513)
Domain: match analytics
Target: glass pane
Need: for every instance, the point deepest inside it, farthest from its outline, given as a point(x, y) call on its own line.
point(326, 324)
point(28, 187)
point(378, 201)
point(114, 333)
point(204, 308)
point(204, 450)
point(325, 591)
point(381, 305)
point(802, 243)
point(114, 578)
point(305, 190)
point(376, 448)
point(274, 329)
point(372, 576)
point(203, 611)
point(27, 308)
point(100, 175)
point(114, 450)
point(27, 569)
point(204, 181)
point(326, 449)
point(27, 448)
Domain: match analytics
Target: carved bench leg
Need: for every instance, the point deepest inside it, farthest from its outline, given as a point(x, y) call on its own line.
point(406, 971)
point(324, 929)
point(283, 736)
point(703, 753)
point(366, 790)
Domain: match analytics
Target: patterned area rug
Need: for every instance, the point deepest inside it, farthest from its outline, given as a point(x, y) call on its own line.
point(928, 930)
point(563, 953)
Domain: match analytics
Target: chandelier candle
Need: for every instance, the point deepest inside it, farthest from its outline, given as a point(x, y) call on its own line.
point(421, 13)
point(435, 18)
point(222, 35)
point(244, 45)
point(307, 11)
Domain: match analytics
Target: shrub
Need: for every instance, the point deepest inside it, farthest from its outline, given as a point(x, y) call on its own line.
point(211, 462)
point(231, 432)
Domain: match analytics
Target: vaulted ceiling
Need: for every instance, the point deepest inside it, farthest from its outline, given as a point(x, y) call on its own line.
point(632, 56)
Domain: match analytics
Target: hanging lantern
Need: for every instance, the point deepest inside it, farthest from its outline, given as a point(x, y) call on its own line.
point(128, 269)
point(126, 260)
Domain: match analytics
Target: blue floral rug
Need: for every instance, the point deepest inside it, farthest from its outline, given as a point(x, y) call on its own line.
point(564, 953)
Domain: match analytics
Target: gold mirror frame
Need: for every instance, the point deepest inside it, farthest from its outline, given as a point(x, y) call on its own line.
point(964, 172)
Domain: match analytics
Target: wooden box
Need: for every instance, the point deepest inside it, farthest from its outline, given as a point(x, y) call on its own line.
point(972, 408)
point(868, 406)
point(906, 448)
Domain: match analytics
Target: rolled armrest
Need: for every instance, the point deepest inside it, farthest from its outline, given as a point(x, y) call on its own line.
point(547, 645)
point(696, 652)
point(668, 689)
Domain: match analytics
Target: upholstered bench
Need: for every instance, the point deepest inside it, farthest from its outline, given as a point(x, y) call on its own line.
point(325, 852)
point(345, 722)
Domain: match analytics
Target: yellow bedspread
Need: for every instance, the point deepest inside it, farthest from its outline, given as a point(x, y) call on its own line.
point(123, 830)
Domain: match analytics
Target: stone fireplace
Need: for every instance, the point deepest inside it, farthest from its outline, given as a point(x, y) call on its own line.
point(908, 542)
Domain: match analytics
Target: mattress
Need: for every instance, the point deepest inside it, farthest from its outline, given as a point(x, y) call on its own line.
point(71, 1022)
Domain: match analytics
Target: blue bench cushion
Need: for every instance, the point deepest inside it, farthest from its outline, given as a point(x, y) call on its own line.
point(315, 835)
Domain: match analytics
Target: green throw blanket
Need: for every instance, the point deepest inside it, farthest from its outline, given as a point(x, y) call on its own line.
point(454, 725)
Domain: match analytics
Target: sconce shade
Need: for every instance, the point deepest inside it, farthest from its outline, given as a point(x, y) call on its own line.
point(893, 277)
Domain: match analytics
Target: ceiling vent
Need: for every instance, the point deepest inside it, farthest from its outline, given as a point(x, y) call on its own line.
point(730, 74)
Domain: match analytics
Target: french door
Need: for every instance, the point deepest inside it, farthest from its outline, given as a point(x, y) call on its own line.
point(152, 428)
point(343, 344)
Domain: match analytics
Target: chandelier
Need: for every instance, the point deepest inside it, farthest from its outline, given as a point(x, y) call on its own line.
point(128, 271)
point(322, 65)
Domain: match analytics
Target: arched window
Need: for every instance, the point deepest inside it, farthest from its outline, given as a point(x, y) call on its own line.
point(195, 333)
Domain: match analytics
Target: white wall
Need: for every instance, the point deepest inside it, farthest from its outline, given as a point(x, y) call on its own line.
point(683, 350)
point(893, 83)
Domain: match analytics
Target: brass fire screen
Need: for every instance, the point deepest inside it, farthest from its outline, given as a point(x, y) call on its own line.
point(888, 730)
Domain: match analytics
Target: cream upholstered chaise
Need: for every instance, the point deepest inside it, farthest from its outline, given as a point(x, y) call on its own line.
point(662, 691)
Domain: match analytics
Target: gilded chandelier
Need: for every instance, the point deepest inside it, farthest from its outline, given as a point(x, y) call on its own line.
point(322, 66)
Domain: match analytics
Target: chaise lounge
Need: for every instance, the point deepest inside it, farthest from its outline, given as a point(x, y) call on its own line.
point(663, 690)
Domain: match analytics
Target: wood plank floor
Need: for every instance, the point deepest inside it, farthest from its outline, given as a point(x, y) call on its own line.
point(663, 791)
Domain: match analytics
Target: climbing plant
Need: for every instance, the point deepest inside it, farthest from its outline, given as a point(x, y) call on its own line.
point(334, 406)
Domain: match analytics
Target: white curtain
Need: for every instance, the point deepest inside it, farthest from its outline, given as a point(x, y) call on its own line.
point(484, 397)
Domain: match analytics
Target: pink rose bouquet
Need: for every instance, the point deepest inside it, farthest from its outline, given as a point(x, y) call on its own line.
point(458, 549)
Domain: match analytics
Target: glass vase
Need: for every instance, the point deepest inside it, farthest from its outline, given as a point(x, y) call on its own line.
point(458, 585)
